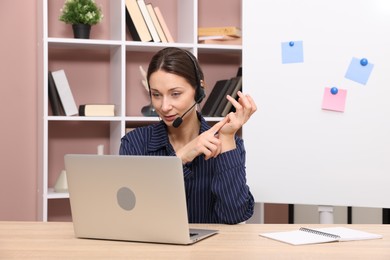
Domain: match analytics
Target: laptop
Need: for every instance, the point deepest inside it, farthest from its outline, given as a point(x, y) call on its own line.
point(131, 198)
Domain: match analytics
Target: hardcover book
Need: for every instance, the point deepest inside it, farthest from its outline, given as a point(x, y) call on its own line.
point(136, 23)
point(156, 23)
point(65, 93)
point(224, 101)
point(215, 96)
point(238, 87)
point(54, 98)
point(163, 24)
point(148, 20)
point(217, 37)
point(225, 30)
point(235, 41)
point(97, 110)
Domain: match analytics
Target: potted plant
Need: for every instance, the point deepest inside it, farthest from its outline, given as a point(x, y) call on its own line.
point(82, 14)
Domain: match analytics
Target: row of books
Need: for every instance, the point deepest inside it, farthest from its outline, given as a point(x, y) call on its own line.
point(62, 101)
point(220, 35)
point(217, 105)
point(146, 22)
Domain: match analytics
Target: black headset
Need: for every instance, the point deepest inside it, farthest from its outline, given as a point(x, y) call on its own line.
point(199, 91)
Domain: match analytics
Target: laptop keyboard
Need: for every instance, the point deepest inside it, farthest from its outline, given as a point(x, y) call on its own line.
point(193, 234)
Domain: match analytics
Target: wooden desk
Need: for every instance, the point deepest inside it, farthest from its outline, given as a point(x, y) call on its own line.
point(53, 240)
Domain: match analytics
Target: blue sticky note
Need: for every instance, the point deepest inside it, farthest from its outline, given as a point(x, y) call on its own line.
point(359, 70)
point(292, 52)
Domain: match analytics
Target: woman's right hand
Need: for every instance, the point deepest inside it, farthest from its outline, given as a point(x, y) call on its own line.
point(206, 143)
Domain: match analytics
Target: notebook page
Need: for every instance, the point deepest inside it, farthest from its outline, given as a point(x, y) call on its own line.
point(348, 234)
point(298, 237)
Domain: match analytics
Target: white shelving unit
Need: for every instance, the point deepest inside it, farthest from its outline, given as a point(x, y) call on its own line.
point(55, 139)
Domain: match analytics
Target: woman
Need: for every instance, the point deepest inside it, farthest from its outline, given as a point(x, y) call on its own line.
point(213, 157)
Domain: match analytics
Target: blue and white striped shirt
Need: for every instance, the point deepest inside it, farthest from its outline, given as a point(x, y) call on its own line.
point(216, 188)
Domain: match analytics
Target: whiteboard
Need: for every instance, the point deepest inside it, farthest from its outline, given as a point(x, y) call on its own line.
point(297, 152)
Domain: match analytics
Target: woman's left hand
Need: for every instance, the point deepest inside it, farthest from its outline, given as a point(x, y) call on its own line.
point(245, 107)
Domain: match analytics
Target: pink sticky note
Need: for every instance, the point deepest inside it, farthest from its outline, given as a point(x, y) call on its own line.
point(335, 102)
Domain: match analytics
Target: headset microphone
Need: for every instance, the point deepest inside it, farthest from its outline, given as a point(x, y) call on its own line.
point(179, 120)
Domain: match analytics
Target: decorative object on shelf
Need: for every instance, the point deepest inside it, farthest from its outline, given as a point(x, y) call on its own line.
point(100, 149)
point(61, 183)
point(81, 31)
point(82, 14)
point(148, 110)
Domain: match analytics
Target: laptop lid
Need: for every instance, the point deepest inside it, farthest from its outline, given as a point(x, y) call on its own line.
point(134, 198)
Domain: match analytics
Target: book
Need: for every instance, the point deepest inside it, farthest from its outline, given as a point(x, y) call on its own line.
point(97, 110)
point(239, 72)
point(306, 236)
point(148, 20)
point(156, 23)
point(221, 96)
point(217, 37)
point(238, 87)
point(224, 101)
point(54, 98)
point(215, 96)
point(225, 30)
point(65, 93)
point(235, 41)
point(136, 23)
point(163, 24)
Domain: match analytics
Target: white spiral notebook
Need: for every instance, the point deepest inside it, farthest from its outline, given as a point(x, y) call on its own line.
point(305, 236)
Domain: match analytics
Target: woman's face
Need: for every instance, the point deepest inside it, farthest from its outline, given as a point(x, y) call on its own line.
point(171, 95)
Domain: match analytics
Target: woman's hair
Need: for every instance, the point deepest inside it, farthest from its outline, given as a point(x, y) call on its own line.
point(179, 62)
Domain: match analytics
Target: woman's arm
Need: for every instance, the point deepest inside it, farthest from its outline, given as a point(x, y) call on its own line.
point(234, 201)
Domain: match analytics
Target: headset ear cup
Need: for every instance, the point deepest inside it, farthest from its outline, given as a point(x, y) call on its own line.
point(200, 95)
point(199, 92)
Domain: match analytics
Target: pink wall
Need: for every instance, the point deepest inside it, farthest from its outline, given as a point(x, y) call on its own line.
point(18, 110)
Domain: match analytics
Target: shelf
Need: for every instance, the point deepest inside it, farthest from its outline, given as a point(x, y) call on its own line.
point(213, 48)
point(51, 194)
point(105, 69)
point(149, 119)
point(82, 118)
point(153, 46)
point(82, 43)
point(156, 119)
